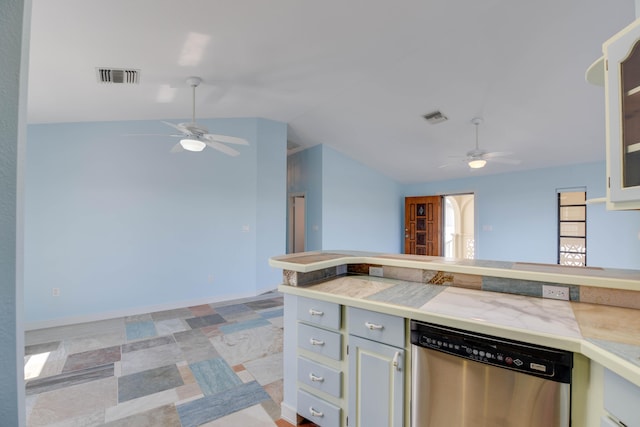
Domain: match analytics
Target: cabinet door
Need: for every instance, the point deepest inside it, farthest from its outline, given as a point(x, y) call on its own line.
point(622, 54)
point(621, 399)
point(376, 384)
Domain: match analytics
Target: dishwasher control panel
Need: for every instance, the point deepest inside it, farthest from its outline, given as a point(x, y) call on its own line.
point(535, 360)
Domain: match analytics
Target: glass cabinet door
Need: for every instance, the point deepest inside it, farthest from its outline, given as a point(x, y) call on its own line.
point(622, 65)
point(630, 90)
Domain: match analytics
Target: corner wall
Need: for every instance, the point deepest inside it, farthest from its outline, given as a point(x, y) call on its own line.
point(14, 55)
point(121, 225)
point(349, 206)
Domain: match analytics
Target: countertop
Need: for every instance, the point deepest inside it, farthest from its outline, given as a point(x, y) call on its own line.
point(608, 335)
point(590, 276)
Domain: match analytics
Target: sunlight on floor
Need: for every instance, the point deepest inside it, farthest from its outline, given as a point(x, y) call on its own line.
point(33, 365)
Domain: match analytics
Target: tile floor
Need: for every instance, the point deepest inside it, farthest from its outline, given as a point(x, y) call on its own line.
point(212, 365)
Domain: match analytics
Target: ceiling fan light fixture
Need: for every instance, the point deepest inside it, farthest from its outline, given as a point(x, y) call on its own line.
point(477, 163)
point(190, 144)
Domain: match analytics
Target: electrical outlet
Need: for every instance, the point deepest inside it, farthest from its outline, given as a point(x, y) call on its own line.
point(376, 271)
point(55, 292)
point(555, 292)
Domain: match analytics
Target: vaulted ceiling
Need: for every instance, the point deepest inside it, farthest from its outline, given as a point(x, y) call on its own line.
point(357, 75)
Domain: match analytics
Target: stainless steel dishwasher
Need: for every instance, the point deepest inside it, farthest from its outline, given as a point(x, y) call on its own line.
point(464, 379)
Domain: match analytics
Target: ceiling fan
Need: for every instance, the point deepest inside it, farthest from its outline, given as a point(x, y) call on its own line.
point(195, 137)
point(478, 158)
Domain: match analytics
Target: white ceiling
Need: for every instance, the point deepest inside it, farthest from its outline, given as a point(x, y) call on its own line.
point(357, 75)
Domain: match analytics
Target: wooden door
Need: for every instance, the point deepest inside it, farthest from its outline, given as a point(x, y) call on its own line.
point(423, 225)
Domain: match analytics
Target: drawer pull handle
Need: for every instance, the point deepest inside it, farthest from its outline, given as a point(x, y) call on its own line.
point(315, 378)
point(314, 341)
point(396, 360)
point(315, 413)
point(316, 312)
point(373, 326)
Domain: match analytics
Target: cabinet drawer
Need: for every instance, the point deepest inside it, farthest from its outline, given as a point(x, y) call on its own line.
point(321, 313)
point(320, 377)
point(376, 326)
point(320, 341)
point(621, 399)
point(317, 410)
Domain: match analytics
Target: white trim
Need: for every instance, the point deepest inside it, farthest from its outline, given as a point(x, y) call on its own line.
point(288, 413)
point(63, 321)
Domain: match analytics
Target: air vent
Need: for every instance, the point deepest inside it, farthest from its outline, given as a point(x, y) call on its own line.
point(118, 75)
point(435, 117)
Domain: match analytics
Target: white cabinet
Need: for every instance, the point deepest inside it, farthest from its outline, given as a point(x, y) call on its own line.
point(319, 362)
point(621, 401)
point(376, 369)
point(622, 91)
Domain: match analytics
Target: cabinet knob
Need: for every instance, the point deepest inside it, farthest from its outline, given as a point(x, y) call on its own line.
point(315, 378)
point(396, 360)
point(315, 312)
point(314, 341)
point(373, 326)
point(315, 413)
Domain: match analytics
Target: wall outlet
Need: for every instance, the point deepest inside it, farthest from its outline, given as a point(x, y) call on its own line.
point(55, 292)
point(376, 271)
point(555, 292)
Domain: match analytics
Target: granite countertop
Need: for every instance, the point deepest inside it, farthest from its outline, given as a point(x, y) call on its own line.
point(592, 276)
point(605, 334)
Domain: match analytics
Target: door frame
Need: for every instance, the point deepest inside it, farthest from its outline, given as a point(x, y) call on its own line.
point(291, 220)
point(442, 216)
point(475, 218)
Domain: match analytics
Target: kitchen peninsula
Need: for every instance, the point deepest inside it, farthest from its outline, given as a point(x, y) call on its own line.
point(599, 323)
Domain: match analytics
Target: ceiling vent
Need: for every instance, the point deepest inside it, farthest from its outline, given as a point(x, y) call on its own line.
point(435, 117)
point(118, 75)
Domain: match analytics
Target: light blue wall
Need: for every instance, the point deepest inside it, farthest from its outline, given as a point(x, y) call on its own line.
point(271, 222)
point(118, 223)
point(361, 208)
point(516, 217)
point(348, 205)
point(304, 175)
point(14, 25)
point(516, 213)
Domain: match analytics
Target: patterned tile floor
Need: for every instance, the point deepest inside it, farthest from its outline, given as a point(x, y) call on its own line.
point(212, 365)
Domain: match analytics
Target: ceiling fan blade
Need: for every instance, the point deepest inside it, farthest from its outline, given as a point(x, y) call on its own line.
point(504, 160)
point(226, 138)
point(494, 154)
point(221, 147)
point(176, 148)
point(153, 134)
point(143, 134)
point(178, 128)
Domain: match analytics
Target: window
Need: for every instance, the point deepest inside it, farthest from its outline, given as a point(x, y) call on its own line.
point(572, 228)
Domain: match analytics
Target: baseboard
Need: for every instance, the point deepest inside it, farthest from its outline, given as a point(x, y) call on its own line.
point(288, 413)
point(94, 317)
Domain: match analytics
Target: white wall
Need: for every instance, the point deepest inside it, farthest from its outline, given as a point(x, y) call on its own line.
point(121, 225)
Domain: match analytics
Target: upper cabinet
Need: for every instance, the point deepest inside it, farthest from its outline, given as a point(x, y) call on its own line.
point(622, 91)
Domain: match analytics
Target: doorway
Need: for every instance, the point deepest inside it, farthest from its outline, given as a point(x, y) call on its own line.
point(440, 226)
point(297, 227)
point(459, 231)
